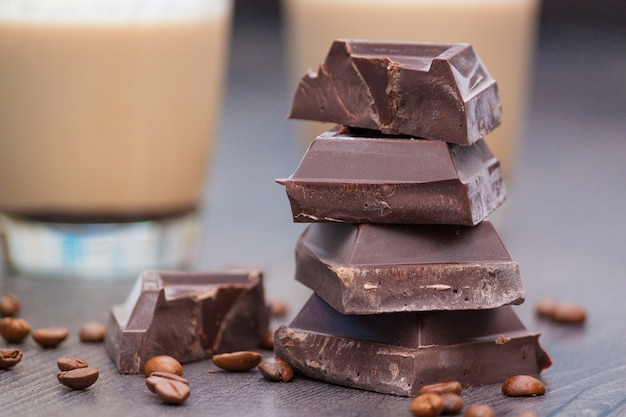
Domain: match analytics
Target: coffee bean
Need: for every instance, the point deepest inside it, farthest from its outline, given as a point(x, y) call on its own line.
point(276, 369)
point(561, 311)
point(527, 414)
point(441, 387)
point(14, 330)
point(79, 378)
point(9, 305)
point(237, 361)
point(92, 332)
point(523, 386)
point(568, 312)
point(163, 363)
point(9, 357)
point(452, 403)
point(479, 410)
point(171, 391)
point(278, 308)
point(156, 377)
point(49, 337)
point(267, 341)
point(67, 364)
point(426, 405)
point(546, 307)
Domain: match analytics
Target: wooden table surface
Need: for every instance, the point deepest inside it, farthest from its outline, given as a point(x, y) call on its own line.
point(564, 223)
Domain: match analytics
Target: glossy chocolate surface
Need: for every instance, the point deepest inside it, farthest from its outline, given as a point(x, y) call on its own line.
point(428, 90)
point(397, 353)
point(370, 269)
point(357, 177)
point(187, 315)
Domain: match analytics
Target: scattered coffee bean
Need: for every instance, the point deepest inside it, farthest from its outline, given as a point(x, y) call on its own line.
point(14, 330)
point(278, 308)
point(570, 313)
point(479, 410)
point(67, 364)
point(561, 311)
point(156, 377)
point(523, 386)
point(426, 405)
point(9, 305)
point(163, 363)
point(171, 391)
point(79, 378)
point(49, 337)
point(237, 361)
point(92, 332)
point(9, 357)
point(276, 369)
point(441, 387)
point(452, 403)
point(546, 307)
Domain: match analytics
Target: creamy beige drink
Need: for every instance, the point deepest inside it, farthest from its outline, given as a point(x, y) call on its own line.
point(501, 31)
point(108, 107)
point(108, 115)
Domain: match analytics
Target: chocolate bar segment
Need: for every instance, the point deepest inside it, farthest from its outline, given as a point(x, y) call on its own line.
point(348, 177)
point(428, 90)
point(187, 315)
point(397, 353)
point(371, 269)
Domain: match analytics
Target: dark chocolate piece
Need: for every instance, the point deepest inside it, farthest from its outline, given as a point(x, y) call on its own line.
point(370, 269)
point(187, 315)
point(346, 177)
point(397, 353)
point(429, 90)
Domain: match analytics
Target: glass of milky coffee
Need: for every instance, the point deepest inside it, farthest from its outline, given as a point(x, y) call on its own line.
point(501, 31)
point(108, 110)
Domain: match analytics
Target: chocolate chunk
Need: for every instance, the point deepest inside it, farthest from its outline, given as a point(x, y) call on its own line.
point(397, 353)
point(429, 90)
point(187, 315)
point(346, 176)
point(369, 269)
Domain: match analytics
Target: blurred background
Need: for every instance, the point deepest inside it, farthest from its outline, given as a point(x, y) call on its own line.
point(595, 12)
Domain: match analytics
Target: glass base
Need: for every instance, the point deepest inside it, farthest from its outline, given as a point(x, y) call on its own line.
point(97, 251)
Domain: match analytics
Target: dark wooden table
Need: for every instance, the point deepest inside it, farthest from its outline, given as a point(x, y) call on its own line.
point(564, 223)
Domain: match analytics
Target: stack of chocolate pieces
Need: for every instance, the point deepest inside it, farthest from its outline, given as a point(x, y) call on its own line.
point(411, 284)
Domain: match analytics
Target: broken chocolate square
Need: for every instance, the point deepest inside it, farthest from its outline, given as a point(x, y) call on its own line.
point(437, 91)
point(370, 269)
point(397, 353)
point(187, 315)
point(346, 176)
